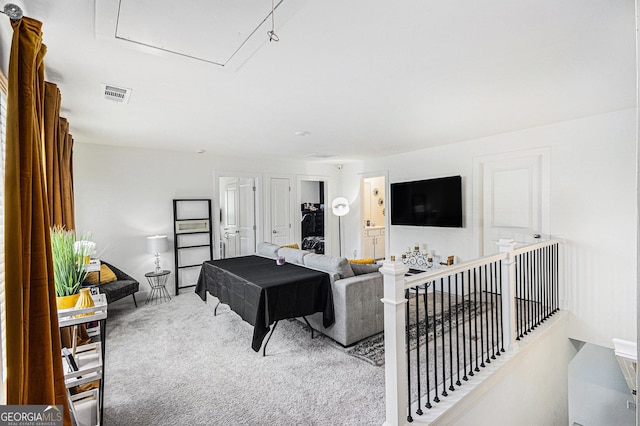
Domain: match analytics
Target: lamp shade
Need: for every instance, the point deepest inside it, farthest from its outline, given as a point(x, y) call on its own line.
point(157, 244)
point(340, 206)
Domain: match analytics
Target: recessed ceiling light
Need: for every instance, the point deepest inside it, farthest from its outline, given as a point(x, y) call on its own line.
point(303, 133)
point(320, 155)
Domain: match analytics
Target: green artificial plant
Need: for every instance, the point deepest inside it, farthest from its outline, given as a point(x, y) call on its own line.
point(68, 265)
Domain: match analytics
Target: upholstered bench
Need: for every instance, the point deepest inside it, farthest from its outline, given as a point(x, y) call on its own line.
point(123, 285)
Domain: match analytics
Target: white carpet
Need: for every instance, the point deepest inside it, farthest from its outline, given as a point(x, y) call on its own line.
point(177, 364)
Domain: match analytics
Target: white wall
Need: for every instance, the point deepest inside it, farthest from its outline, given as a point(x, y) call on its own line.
point(123, 195)
point(593, 205)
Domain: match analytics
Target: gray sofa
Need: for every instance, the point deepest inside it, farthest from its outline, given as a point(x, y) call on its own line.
point(357, 290)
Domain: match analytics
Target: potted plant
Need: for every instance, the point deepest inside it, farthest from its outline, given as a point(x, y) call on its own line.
point(68, 267)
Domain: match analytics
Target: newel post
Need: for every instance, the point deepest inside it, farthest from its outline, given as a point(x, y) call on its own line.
point(394, 342)
point(507, 245)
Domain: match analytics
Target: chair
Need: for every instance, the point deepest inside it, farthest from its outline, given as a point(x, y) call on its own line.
point(123, 286)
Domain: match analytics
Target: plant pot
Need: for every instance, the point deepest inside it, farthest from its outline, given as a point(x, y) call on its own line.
point(67, 302)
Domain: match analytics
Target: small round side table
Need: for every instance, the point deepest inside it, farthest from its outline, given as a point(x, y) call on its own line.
point(158, 282)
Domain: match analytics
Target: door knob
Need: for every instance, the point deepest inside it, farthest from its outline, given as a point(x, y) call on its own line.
point(274, 231)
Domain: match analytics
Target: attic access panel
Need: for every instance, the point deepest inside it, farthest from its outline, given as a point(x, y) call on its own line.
point(208, 30)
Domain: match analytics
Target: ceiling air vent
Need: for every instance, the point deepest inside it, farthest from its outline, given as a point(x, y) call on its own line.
point(116, 94)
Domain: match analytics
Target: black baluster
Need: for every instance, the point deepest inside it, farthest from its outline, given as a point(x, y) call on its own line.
point(549, 281)
point(426, 344)
point(419, 410)
point(556, 285)
point(527, 293)
point(451, 388)
point(519, 296)
point(458, 330)
point(545, 283)
point(538, 287)
point(435, 347)
point(481, 315)
point(541, 281)
point(556, 282)
point(444, 359)
point(531, 323)
point(464, 328)
point(533, 289)
point(475, 317)
point(486, 312)
point(501, 318)
point(492, 271)
point(523, 269)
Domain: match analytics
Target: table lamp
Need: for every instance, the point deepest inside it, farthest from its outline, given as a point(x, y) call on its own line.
point(155, 245)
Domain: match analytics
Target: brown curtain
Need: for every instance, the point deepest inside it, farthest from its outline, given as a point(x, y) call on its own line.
point(58, 147)
point(34, 364)
point(59, 155)
point(65, 158)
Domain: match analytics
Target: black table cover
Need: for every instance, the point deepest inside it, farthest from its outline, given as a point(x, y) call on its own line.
point(262, 292)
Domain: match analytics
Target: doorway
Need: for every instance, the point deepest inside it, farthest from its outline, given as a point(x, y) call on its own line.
point(374, 205)
point(312, 215)
point(237, 216)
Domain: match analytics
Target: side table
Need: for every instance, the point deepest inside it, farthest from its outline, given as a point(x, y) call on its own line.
point(158, 282)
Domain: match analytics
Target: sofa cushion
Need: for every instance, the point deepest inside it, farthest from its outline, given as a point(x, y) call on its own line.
point(116, 290)
point(360, 269)
point(332, 264)
point(292, 255)
point(268, 249)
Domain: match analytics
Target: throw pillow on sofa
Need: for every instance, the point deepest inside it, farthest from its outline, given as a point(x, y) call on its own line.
point(362, 268)
point(331, 264)
point(268, 249)
point(365, 261)
point(106, 276)
point(293, 246)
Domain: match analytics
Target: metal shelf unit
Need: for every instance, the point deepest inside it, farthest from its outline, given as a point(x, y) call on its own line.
point(193, 238)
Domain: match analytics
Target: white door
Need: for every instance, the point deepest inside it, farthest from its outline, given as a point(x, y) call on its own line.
point(280, 202)
point(515, 199)
point(238, 216)
point(246, 229)
point(230, 207)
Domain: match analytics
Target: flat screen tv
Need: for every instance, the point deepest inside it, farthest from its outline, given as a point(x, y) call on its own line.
point(430, 202)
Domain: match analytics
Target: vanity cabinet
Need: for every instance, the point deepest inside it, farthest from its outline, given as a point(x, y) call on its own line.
point(373, 243)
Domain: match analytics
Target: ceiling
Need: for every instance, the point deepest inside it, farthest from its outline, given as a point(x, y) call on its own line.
point(348, 79)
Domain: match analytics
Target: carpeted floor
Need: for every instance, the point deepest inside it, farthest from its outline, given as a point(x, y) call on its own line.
point(177, 364)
